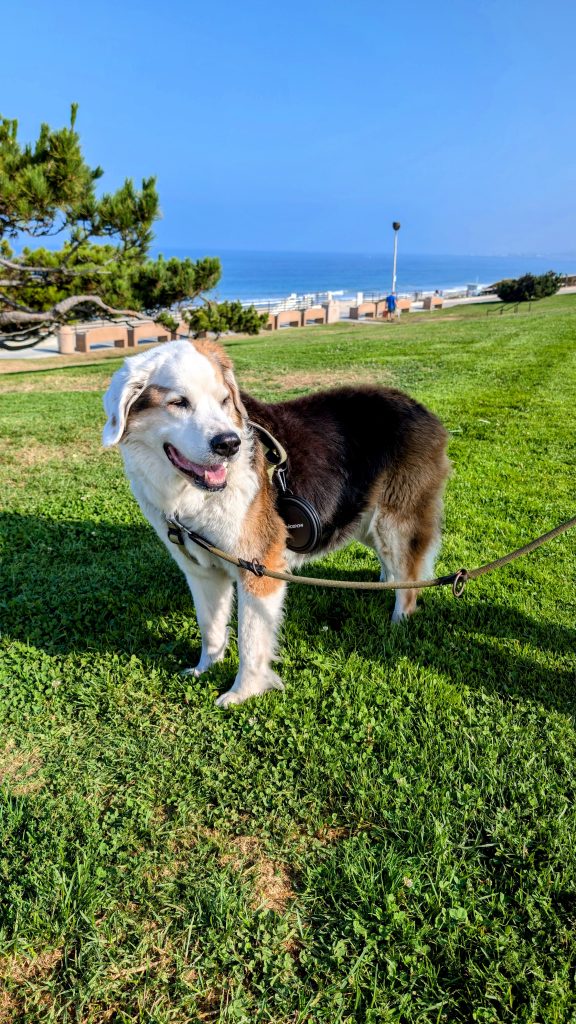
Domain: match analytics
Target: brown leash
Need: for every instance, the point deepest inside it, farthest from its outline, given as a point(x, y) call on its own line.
point(457, 580)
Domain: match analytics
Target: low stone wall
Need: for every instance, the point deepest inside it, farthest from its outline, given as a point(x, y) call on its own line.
point(82, 337)
point(322, 313)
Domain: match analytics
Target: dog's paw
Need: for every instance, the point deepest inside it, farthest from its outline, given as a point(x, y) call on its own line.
point(207, 660)
point(273, 682)
point(237, 695)
point(195, 672)
point(226, 700)
point(400, 618)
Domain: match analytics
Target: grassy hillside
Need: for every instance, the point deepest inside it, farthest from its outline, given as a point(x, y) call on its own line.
point(389, 840)
point(561, 303)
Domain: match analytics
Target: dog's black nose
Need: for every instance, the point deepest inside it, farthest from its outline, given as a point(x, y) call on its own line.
point(225, 444)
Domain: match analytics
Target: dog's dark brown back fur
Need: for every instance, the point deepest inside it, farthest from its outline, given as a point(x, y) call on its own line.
point(343, 443)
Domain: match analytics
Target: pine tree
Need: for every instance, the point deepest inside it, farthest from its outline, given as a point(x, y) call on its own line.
point(103, 267)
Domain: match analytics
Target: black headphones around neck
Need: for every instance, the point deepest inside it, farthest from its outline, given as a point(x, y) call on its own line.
point(301, 518)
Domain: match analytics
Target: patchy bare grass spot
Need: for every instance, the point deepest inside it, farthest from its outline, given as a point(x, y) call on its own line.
point(149, 966)
point(59, 363)
point(311, 379)
point(103, 1015)
point(19, 968)
point(20, 771)
point(38, 453)
point(272, 886)
point(336, 378)
point(208, 1006)
point(332, 835)
point(58, 382)
point(8, 1008)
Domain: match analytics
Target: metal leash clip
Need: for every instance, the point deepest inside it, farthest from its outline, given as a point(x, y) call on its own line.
point(459, 583)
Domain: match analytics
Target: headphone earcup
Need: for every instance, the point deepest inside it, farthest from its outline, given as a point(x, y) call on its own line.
point(302, 521)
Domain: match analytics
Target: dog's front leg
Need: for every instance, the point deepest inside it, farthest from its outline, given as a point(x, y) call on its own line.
point(212, 594)
point(259, 615)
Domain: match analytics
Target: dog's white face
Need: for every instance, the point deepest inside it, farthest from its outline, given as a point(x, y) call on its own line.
point(182, 407)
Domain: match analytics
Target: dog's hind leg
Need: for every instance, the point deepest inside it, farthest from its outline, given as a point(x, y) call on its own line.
point(407, 550)
point(212, 595)
point(259, 616)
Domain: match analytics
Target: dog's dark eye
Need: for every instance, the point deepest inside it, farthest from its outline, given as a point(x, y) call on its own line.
point(226, 401)
point(180, 403)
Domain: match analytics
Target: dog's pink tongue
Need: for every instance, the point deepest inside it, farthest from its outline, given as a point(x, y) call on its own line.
point(214, 475)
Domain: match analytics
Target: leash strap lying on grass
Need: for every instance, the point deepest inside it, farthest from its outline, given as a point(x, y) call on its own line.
point(457, 580)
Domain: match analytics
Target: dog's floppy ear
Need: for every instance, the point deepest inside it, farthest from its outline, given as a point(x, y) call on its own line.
point(230, 382)
point(216, 353)
point(127, 383)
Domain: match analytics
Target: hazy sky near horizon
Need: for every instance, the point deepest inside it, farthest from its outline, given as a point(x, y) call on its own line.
point(312, 125)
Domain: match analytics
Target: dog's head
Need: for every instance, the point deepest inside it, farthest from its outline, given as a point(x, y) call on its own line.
point(181, 402)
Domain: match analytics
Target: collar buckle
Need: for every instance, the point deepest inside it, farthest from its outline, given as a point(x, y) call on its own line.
point(175, 535)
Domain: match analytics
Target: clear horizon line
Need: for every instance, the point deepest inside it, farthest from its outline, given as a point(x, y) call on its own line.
point(567, 254)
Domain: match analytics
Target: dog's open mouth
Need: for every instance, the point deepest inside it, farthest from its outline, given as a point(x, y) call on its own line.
point(213, 477)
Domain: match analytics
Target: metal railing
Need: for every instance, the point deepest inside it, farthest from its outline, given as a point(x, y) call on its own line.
point(294, 301)
point(505, 307)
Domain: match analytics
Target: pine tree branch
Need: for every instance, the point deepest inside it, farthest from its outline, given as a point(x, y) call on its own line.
point(31, 268)
point(43, 229)
point(76, 245)
point(60, 311)
point(13, 305)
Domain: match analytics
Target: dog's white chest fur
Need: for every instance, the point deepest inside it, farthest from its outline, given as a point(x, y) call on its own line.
point(216, 516)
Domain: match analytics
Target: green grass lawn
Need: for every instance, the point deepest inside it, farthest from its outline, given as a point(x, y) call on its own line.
point(392, 839)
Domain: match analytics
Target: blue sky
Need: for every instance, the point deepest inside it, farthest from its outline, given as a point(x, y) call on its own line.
point(312, 125)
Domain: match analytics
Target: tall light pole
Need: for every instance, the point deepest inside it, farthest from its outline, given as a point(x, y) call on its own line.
point(396, 226)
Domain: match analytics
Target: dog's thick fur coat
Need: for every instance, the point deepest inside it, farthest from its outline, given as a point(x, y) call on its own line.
point(371, 460)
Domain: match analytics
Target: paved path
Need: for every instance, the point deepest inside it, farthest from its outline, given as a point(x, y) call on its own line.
point(48, 347)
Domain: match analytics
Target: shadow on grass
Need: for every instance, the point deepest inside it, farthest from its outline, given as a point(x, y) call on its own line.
point(77, 586)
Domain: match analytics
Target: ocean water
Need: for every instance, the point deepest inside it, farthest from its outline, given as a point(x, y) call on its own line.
point(261, 275)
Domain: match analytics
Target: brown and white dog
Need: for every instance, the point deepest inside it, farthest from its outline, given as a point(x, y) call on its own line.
point(371, 460)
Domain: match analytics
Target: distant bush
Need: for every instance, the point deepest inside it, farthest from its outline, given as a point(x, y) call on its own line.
point(530, 286)
point(216, 317)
